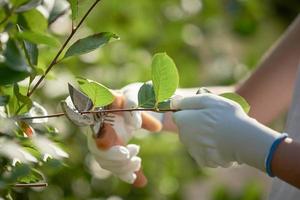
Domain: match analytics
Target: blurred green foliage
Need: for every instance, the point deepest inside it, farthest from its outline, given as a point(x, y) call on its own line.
point(212, 43)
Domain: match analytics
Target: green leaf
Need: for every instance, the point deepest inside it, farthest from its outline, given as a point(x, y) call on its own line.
point(8, 196)
point(17, 172)
point(3, 11)
point(89, 43)
point(164, 76)
point(33, 20)
point(146, 96)
point(9, 76)
point(32, 150)
point(74, 8)
point(4, 100)
point(98, 93)
point(30, 178)
point(14, 58)
point(238, 99)
point(31, 52)
point(38, 38)
point(164, 105)
point(22, 98)
point(28, 6)
point(14, 67)
point(14, 103)
point(17, 3)
point(34, 176)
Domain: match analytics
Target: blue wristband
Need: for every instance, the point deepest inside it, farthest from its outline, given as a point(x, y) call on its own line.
point(272, 150)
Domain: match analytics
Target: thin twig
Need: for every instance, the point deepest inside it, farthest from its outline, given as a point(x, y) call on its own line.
point(54, 61)
point(7, 16)
point(38, 117)
point(25, 185)
point(100, 111)
point(130, 110)
point(5, 19)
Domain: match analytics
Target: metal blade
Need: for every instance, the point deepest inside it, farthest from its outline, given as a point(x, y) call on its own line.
point(75, 117)
point(202, 90)
point(80, 100)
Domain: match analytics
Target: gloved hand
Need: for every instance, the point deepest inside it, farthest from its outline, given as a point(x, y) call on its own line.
point(127, 122)
point(122, 161)
point(111, 151)
point(217, 132)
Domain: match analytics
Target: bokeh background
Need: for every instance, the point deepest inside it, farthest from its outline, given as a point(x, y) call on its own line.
point(213, 42)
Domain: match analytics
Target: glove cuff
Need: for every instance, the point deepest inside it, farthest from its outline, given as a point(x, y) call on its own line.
point(270, 155)
point(253, 144)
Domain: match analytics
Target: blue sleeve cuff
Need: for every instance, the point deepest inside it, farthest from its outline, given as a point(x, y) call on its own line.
point(272, 150)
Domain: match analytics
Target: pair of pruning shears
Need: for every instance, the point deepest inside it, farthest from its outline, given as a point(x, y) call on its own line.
point(75, 108)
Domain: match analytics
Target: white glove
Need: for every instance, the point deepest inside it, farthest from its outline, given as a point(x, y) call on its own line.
point(217, 132)
point(129, 122)
point(122, 161)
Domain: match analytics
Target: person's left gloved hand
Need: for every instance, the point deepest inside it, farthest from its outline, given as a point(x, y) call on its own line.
point(111, 131)
point(111, 150)
point(122, 161)
point(126, 123)
point(217, 132)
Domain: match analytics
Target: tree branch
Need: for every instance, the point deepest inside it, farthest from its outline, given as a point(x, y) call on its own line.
point(100, 111)
point(54, 61)
point(130, 110)
point(25, 185)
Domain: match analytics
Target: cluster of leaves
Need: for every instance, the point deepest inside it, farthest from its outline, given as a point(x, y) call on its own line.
point(155, 94)
point(27, 145)
point(23, 28)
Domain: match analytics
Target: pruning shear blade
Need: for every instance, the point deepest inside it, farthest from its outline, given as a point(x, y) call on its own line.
point(80, 100)
point(74, 116)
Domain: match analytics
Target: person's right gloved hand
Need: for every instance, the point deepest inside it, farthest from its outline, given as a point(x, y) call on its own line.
point(217, 132)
